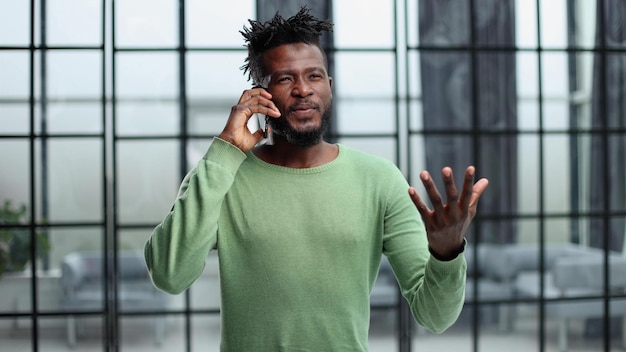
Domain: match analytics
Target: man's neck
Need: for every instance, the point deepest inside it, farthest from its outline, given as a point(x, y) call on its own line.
point(283, 153)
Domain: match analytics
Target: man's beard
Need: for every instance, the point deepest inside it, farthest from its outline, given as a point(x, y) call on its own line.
point(303, 139)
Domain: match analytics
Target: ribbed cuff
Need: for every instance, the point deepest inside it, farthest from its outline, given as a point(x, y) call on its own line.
point(225, 154)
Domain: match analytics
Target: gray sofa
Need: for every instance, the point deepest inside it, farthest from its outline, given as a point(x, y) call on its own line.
point(574, 289)
point(493, 270)
point(498, 275)
point(83, 288)
point(573, 283)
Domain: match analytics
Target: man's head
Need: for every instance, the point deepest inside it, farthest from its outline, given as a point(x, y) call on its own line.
point(260, 37)
point(285, 58)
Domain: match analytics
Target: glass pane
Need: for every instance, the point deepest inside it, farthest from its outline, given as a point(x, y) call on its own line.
point(497, 100)
point(528, 115)
point(526, 23)
point(586, 23)
point(455, 151)
point(417, 160)
point(138, 332)
point(558, 229)
point(556, 171)
point(147, 118)
point(414, 77)
point(494, 23)
point(14, 23)
point(614, 90)
point(555, 76)
point(582, 97)
point(49, 290)
point(15, 282)
point(86, 332)
point(412, 23)
point(15, 161)
point(416, 116)
point(14, 118)
point(444, 24)
point(145, 23)
point(527, 75)
point(53, 336)
point(553, 23)
point(68, 240)
point(74, 74)
point(383, 147)
point(148, 180)
point(196, 148)
point(133, 240)
point(528, 173)
point(74, 22)
point(15, 68)
point(206, 332)
point(147, 75)
point(354, 76)
point(16, 333)
point(75, 117)
point(446, 90)
point(366, 116)
point(556, 115)
point(208, 116)
point(202, 21)
point(75, 177)
point(617, 172)
point(614, 24)
point(528, 230)
point(216, 75)
point(498, 162)
point(363, 26)
point(383, 333)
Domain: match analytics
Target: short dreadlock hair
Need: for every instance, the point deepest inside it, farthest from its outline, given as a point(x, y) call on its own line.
point(260, 37)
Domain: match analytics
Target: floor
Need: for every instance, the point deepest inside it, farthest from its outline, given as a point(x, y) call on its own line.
point(137, 334)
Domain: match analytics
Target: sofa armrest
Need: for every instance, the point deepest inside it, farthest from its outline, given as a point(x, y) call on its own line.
point(588, 272)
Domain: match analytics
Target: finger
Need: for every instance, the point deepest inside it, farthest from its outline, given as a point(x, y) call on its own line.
point(254, 92)
point(262, 105)
point(431, 190)
point(468, 185)
point(448, 180)
point(266, 110)
point(477, 191)
point(419, 204)
point(258, 136)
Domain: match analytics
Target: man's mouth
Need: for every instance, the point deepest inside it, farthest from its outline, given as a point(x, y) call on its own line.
point(303, 110)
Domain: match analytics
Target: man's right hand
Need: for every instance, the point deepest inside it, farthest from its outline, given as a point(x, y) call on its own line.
point(252, 101)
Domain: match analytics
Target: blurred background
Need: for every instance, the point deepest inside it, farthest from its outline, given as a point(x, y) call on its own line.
point(105, 105)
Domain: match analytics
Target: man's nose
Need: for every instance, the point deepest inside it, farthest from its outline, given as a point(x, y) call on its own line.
point(302, 88)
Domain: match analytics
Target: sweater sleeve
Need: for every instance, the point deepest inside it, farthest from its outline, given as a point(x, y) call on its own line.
point(434, 289)
point(177, 249)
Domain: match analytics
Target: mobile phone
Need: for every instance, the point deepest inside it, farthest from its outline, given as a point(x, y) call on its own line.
point(259, 121)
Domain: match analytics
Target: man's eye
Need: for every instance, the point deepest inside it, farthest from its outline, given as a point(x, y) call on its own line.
point(284, 79)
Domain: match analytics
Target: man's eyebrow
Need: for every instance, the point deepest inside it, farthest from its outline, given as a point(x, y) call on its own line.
point(306, 70)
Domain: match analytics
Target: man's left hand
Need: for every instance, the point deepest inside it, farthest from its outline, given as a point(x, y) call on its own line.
point(447, 223)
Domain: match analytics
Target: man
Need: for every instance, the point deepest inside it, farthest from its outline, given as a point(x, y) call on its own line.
point(300, 225)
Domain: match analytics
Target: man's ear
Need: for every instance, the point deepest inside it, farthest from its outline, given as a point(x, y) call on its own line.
point(330, 81)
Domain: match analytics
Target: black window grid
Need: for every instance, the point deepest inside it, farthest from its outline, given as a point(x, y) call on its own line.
point(111, 226)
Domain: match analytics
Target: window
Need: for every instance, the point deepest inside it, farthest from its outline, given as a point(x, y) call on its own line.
point(104, 106)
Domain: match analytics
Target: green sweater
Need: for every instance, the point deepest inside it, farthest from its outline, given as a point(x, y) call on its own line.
point(299, 249)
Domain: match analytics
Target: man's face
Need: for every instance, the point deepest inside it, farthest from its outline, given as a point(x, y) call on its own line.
point(301, 89)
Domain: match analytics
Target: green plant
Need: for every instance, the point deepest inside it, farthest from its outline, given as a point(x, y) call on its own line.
point(15, 250)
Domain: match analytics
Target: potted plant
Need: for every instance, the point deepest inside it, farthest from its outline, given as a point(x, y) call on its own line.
point(15, 250)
